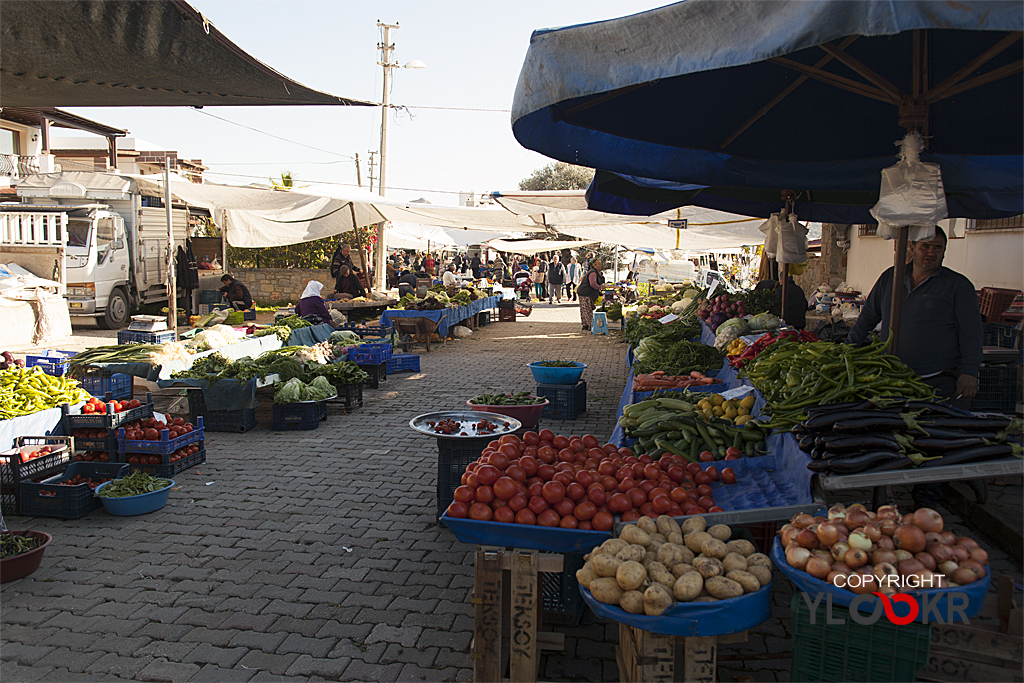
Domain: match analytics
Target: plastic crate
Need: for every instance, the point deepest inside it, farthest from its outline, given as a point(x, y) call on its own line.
point(452, 457)
point(136, 337)
point(566, 401)
point(51, 499)
point(237, 421)
point(761, 535)
point(102, 382)
point(994, 300)
point(378, 374)
point(403, 362)
point(210, 296)
point(51, 365)
point(560, 593)
point(370, 354)
point(108, 443)
point(369, 330)
point(483, 318)
point(13, 471)
point(206, 309)
point(1000, 335)
point(506, 315)
point(76, 420)
point(997, 389)
point(303, 415)
point(165, 446)
point(169, 470)
point(350, 397)
point(249, 314)
point(854, 652)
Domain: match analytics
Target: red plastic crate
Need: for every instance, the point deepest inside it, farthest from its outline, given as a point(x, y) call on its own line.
point(993, 301)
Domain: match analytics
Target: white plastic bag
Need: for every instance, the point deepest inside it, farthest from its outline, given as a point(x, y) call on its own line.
point(792, 247)
point(770, 230)
point(911, 194)
point(460, 331)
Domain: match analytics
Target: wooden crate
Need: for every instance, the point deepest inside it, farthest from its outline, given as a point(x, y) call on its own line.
point(645, 657)
point(980, 651)
point(507, 614)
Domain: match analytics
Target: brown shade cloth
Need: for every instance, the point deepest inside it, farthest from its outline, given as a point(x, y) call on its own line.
point(132, 53)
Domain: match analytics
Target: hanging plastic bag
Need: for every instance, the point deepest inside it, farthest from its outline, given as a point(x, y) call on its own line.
point(792, 247)
point(911, 194)
point(770, 230)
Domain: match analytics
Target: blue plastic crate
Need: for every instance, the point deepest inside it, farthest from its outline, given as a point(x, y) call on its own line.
point(100, 383)
point(51, 365)
point(74, 419)
point(249, 314)
point(52, 499)
point(136, 337)
point(403, 362)
point(237, 421)
point(371, 353)
point(165, 446)
point(210, 296)
point(172, 468)
point(565, 400)
point(369, 330)
point(304, 415)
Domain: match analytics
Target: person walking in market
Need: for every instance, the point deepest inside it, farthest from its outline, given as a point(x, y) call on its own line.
point(539, 276)
point(589, 291)
point(556, 278)
point(573, 275)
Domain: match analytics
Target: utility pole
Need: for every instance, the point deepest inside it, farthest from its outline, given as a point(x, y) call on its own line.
point(371, 170)
point(386, 46)
point(359, 172)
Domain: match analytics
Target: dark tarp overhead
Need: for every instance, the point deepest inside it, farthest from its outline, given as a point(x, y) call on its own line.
point(132, 53)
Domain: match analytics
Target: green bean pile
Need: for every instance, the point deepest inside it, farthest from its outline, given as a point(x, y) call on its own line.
point(13, 544)
point(556, 364)
point(134, 484)
point(793, 376)
point(523, 398)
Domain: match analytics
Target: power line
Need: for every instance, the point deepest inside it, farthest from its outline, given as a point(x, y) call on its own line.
point(327, 182)
point(278, 137)
point(416, 106)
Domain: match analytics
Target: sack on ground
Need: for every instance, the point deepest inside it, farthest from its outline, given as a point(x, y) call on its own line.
point(459, 331)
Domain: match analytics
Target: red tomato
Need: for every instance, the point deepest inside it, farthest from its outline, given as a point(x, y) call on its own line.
point(638, 470)
point(538, 505)
point(609, 483)
point(576, 444)
point(505, 488)
point(626, 484)
point(732, 450)
point(517, 502)
point(606, 468)
point(155, 460)
point(678, 495)
point(480, 512)
point(585, 510)
point(647, 485)
point(560, 442)
point(712, 472)
point(662, 504)
point(529, 465)
point(500, 460)
point(547, 454)
point(706, 502)
point(704, 490)
point(676, 474)
point(151, 435)
point(707, 456)
point(585, 525)
point(692, 493)
point(592, 464)
point(546, 472)
point(585, 478)
point(630, 516)
point(546, 435)
point(563, 478)
point(566, 455)
point(548, 518)
point(531, 438)
point(693, 468)
point(484, 494)
point(597, 496)
point(553, 492)
point(654, 493)
point(637, 497)
point(728, 476)
point(715, 508)
point(575, 492)
point(610, 448)
point(504, 514)
point(487, 474)
point(619, 502)
point(526, 516)
point(569, 522)
point(535, 488)
point(458, 510)
point(652, 472)
point(603, 521)
point(647, 509)
point(465, 494)
point(624, 472)
point(516, 473)
point(732, 457)
point(180, 421)
point(701, 478)
point(134, 403)
point(590, 441)
point(564, 507)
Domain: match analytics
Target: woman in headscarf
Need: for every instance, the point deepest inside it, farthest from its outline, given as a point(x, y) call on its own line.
point(589, 290)
point(311, 304)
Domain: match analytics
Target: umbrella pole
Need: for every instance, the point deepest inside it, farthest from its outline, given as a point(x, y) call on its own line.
point(899, 272)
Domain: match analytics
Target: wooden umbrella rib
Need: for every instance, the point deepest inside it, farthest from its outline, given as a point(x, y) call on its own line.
point(939, 91)
point(782, 95)
point(601, 99)
point(861, 69)
point(994, 75)
point(836, 81)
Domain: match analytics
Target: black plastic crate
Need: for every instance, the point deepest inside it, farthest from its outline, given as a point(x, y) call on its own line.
point(998, 334)
point(997, 389)
point(483, 318)
point(95, 443)
point(452, 457)
point(136, 337)
point(350, 397)
point(854, 652)
point(237, 421)
point(303, 415)
point(13, 471)
point(565, 400)
point(77, 420)
point(560, 593)
point(169, 470)
point(210, 296)
point(378, 374)
point(165, 446)
point(52, 499)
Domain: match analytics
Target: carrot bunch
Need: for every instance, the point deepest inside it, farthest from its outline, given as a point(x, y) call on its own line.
point(659, 380)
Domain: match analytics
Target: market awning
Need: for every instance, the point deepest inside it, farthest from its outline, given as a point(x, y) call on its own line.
point(536, 246)
point(132, 53)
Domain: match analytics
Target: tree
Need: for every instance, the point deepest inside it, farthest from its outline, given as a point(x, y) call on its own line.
point(558, 176)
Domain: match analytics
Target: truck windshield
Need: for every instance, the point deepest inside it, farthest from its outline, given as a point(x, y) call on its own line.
point(78, 233)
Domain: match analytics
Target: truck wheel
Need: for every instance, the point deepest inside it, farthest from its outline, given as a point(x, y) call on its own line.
point(117, 311)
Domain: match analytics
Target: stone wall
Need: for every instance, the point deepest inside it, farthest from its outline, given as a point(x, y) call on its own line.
point(272, 285)
point(828, 268)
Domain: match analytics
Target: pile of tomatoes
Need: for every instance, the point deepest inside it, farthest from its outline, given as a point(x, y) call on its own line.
point(150, 428)
point(95, 405)
point(32, 455)
point(574, 483)
point(79, 479)
point(92, 456)
point(147, 459)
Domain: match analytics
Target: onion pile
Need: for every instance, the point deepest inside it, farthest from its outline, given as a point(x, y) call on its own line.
point(877, 545)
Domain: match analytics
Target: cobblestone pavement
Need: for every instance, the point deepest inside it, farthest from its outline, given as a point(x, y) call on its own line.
point(314, 555)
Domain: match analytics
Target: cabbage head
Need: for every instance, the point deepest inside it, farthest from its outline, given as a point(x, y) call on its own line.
point(289, 392)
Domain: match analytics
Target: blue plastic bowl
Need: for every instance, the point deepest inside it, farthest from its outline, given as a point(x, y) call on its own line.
point(549, 375)
point(136, 505)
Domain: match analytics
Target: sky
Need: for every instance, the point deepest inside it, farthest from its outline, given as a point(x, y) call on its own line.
point(455, 136)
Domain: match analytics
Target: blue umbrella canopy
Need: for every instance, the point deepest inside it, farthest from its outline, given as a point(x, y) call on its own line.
point(783, 94)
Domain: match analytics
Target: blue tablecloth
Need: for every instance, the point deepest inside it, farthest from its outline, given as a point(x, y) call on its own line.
point(447, 317)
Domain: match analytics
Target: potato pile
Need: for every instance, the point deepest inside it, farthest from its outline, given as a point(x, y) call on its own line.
point(657, 563)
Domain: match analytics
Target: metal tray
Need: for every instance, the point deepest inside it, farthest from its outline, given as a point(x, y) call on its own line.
point(468, 418)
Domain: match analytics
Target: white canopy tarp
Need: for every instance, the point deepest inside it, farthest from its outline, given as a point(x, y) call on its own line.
point(536, 246)
point(660, 236)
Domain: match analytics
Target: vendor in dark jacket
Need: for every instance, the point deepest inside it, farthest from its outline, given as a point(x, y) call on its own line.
point(796, 301)
point(407, 283)
point(342, 257)
point(237, 294)
point(348, 286)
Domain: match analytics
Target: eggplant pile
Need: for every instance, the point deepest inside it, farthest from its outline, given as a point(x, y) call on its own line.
point(883, 435)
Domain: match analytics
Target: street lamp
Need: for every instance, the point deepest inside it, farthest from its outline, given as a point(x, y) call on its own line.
point(386, 47)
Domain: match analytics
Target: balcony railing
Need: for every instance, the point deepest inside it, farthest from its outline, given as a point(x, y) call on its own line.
point(15, 166)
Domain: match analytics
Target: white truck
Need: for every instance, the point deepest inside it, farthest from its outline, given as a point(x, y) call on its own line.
point(102, 236)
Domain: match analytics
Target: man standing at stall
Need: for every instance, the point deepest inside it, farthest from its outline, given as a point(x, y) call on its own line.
point(342, 257)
